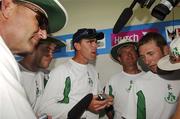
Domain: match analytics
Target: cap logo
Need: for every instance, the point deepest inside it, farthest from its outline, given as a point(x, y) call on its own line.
point(171, 62)
point(175, 51)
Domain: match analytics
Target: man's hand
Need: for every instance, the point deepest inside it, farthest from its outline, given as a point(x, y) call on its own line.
point(44, 116)
point(49, 117)
point(97, 105)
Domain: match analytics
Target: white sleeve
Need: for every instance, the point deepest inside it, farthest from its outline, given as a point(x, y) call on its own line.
point(52, 101)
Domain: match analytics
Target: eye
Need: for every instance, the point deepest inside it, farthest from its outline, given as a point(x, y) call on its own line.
point(88, 41)
point(142, 58)
point(93, 41)
point(151, 53)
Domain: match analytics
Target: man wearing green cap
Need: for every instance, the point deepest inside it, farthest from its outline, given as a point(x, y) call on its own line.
point(121, 84)
point(34, 72)
point(22, 24)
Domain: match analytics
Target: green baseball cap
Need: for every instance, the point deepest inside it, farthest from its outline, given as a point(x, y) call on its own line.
point(53, 10)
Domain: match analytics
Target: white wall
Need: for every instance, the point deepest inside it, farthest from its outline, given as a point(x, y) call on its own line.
point(102, 14)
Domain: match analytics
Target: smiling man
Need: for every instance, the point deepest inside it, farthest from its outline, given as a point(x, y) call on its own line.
point(22, 24)
point(34, 69)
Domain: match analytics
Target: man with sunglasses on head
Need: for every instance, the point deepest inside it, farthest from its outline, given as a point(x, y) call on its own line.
point(22, 24)
point(34, 69)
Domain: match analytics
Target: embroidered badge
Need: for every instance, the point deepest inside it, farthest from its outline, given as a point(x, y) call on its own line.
point(90, 81)
point(170, 98)
point(130, 86)
point(46, 78)
point(38, 91)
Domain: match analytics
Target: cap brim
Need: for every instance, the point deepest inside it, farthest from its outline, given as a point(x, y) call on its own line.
point(166, 65)
point(114, 49)
point(58, 42)
point(57, 15)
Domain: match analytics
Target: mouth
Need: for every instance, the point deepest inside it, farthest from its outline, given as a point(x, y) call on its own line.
point(47, 58)
point(36, 41)
point(94, 53)
point(153, 68)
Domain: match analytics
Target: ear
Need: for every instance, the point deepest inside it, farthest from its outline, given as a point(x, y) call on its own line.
point(77, 46)
point(6, 7)
point(166, 50)
point(119, 58)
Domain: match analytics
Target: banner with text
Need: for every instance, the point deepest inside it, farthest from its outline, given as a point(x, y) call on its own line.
point(168, 29)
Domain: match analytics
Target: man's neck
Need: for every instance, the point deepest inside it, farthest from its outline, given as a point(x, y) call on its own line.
point(29, 66)
point(131, 70)
point(80, 60)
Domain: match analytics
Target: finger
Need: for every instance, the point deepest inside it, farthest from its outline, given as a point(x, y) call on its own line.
point(101, 107)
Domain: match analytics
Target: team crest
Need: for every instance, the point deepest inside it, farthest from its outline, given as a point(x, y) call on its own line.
point(171, 98)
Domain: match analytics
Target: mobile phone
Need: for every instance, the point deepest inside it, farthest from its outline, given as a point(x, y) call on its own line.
point(102, 96)
point(44, 116)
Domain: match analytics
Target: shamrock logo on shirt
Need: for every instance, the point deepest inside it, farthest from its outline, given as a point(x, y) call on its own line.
point(171, 97)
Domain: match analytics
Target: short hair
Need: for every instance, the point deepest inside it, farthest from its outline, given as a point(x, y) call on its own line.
point(153, 36)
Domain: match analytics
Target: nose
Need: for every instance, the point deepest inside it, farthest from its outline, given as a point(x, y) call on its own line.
point(51, 54)
point(129, 54)
point(94, 44)
point(147, 61)
point(42, 34)
point(51, 51)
